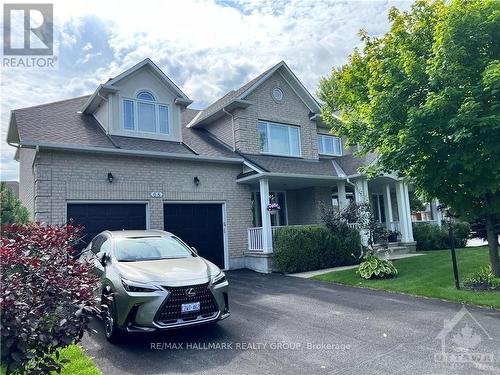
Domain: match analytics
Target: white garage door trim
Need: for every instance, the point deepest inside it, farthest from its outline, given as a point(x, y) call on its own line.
point(224, 224)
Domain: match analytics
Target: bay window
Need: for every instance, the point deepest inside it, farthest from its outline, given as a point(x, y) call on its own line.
point(145, 114)
point(329, 145)
point(279, 139)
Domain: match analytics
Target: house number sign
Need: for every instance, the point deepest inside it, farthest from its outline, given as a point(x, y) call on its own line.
point(156, 194)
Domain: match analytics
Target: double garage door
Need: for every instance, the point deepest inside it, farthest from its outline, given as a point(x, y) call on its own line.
point(198, 224)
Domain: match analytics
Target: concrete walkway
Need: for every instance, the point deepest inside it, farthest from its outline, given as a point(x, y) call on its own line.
point(309, 274)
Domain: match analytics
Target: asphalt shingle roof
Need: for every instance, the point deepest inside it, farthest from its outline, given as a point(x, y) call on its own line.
point(277, 164)
point(60, 123)
point(350, 163)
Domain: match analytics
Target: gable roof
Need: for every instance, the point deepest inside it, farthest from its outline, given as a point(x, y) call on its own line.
point(236, 98)
point(95, 99)
point(60, 125)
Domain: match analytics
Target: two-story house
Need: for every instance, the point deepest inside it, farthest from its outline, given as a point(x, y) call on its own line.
point(133, 156)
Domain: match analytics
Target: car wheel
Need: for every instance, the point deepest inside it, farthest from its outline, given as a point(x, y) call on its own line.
point(113, 333)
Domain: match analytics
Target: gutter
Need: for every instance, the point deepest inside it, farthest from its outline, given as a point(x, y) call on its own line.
point(291, 175)
point(114, 151)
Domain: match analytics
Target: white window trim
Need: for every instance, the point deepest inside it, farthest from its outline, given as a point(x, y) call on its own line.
point(156, 105)
point(321, 136)
point(267, 123)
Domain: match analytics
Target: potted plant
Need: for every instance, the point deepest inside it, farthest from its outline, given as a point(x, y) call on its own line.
point(273, 208)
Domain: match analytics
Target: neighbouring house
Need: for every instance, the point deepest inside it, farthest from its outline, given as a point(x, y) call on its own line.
point(13, 186)
point(134, 155)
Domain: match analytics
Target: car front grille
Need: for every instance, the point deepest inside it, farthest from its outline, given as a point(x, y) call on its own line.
point(171, 311)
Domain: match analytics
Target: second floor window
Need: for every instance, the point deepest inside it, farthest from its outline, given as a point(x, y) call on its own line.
point(279, 139)
point(329, 145)
point(145, 114)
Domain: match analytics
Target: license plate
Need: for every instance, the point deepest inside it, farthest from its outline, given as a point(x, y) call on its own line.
point(189, 307)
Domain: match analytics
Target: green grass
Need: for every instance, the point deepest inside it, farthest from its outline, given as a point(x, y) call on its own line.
point(429, 275)
point(80, 363)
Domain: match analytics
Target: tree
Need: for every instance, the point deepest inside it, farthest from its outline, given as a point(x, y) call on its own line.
point(12, 210)
point(425, 98)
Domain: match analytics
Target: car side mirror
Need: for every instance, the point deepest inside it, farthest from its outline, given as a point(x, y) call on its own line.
point(194, 249)
point(104, 259)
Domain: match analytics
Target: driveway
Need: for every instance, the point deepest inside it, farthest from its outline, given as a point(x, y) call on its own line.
point(287, 325)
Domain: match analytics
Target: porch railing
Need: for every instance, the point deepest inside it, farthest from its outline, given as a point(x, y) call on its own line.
point(255, 237)
point(394, 225)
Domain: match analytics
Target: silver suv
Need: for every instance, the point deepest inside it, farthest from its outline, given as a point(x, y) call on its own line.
point(152, 280)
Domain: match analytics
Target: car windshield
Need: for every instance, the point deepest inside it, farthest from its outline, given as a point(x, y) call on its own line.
point(150, 248)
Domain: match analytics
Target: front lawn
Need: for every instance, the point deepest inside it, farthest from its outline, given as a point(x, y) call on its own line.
point(79, 363)
point(429, 275)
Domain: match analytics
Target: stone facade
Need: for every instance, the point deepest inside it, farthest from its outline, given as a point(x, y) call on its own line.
point(63, 177)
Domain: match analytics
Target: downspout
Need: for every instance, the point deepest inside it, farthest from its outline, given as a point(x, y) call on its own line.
point(232, 127)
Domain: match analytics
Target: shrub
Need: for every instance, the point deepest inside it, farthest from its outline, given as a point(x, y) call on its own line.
point(430, 237)
point(373, 267)
point(482, 280)
point(311, 247)
point(46, 296)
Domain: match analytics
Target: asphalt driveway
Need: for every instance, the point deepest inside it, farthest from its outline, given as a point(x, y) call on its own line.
point(286, 325)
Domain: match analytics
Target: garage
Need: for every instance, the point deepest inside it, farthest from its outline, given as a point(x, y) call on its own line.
point(97, 217)
point(199, 225)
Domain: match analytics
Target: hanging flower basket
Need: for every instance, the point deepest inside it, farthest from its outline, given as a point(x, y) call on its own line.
point(273, 208)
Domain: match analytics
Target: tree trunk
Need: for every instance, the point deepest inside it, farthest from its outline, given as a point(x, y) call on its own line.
point(493, 245)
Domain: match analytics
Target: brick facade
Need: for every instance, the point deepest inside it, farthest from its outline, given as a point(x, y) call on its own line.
point(291, 110)
point(63, 177)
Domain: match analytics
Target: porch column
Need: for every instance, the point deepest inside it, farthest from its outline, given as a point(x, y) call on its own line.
point(403, 222)
point(361, 196)
point(361, 191)
point(341, 195)
point(267, 236)
point(388, 207)
point(435, 212)
point(408, 212)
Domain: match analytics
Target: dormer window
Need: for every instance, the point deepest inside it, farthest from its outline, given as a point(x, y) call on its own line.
point(144, 114)
point(329, 145)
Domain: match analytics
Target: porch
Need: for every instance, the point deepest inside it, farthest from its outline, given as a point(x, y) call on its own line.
point(299, 201)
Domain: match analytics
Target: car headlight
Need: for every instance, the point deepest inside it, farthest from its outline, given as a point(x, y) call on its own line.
point(219, 278)
point(133, 286)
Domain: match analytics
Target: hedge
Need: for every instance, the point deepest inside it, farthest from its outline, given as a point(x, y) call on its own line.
point(430, 237)
point(311, 247)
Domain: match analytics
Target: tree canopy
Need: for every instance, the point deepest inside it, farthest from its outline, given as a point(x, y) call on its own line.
point(12, 210)
point(425, 98)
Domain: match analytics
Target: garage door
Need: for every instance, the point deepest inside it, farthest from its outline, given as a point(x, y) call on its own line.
point(97, 217)
point(199, 225)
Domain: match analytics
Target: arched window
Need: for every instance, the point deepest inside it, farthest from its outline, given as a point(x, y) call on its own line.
point(144, 114)
point(145, 95)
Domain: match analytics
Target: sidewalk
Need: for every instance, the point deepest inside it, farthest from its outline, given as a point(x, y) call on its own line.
point(309, 274)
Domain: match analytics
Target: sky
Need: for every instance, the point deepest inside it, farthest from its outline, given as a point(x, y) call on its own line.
point(206, 47)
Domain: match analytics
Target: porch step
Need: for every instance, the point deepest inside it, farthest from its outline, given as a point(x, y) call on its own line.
point(393, 250)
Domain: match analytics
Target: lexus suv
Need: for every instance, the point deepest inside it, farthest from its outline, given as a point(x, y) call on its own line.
point(151, 280)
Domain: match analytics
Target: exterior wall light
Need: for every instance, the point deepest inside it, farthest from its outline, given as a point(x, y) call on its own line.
point(110, 177)
point(196, 180)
